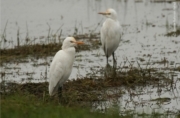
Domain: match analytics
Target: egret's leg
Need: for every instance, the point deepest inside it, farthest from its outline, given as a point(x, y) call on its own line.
point(106, 53)
point(60, 92)
point(107, 59)
point(114, 60)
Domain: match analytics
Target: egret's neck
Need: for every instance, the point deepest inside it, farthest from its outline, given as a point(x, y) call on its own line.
point(69, 50)
point(64, 47)
point(114, 17)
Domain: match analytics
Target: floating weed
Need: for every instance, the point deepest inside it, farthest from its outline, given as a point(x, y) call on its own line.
point(141, 59)
point(177, 69)
point(162, 100)
point(173, 33)
point(162, 61)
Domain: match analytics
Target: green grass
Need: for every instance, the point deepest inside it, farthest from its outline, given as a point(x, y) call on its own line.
point(25, 105)
point(29, 106)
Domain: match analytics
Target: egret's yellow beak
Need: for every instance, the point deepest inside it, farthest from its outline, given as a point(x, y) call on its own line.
point(104, 13)
point(79, 42)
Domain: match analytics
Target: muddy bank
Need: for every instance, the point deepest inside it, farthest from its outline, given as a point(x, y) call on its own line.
point(93, 88)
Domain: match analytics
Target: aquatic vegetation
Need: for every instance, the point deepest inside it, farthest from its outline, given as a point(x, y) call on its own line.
point(44, 50)
point(173, 33)
point(85, 91)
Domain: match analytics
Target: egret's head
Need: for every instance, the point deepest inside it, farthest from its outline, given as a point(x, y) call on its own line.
point(70, 42)
point(110, 13)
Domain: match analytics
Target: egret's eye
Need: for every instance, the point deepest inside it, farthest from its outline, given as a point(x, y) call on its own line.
point(71, 41)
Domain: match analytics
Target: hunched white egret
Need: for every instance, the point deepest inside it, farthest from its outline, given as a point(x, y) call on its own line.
point(61, 66)
point(111, 33)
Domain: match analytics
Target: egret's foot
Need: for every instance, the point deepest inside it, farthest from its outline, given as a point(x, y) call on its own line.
point(114, 63)
point(108, 66)
point(107, 70)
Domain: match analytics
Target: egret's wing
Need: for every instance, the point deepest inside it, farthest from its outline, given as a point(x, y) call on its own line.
point(104, 37)
point(56, 73)
point(111, 33)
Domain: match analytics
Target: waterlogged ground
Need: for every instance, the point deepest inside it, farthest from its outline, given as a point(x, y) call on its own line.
point(145, 26)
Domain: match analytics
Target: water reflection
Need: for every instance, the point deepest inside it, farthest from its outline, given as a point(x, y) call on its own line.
point(144, 99)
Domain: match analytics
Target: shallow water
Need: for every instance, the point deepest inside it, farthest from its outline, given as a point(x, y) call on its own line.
point(144, 100)
point(144, 23)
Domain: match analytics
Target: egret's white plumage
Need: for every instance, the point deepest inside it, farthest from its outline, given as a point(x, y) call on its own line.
point(111, 33)
point(61, 66)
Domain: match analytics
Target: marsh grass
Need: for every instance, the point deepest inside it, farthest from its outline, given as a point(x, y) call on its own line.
point(41, 50)
point(174, 33)
point(27, 105)
point(33, 100)
point(89, 88)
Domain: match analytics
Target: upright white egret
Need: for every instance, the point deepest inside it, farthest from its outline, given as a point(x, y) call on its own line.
point(61, 66)
point(111, 33)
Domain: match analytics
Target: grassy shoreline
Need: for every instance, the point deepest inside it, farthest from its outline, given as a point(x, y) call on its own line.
point(32, 99)
point(26, 105)
point(20, 105)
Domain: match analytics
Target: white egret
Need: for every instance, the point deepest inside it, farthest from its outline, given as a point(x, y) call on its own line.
point(111, 33)
point(61, 66)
